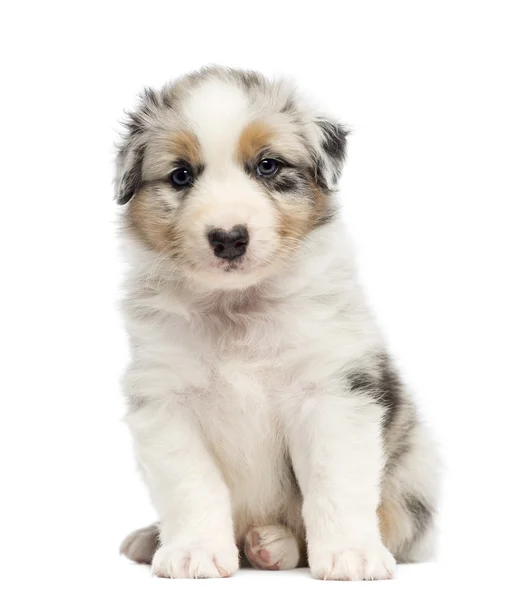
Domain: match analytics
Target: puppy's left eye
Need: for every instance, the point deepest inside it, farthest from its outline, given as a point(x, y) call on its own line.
point(268, 167)
point(181, 177)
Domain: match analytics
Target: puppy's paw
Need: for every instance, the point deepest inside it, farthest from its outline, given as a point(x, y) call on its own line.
point(272, 547)
point(354, 563)
point(196, 562)
point(140, 545)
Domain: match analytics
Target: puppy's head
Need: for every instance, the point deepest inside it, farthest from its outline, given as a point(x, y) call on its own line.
point(225, 173)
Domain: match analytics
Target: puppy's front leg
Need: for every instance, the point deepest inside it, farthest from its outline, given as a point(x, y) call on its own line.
point(337, 453)
point(187, 489)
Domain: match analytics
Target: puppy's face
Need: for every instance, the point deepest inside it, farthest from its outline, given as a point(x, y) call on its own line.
point(225, 174)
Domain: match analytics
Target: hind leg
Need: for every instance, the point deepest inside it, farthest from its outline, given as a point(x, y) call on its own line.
point(409, 497)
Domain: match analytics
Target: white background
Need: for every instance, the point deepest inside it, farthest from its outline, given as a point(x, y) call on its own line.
point(433, 191)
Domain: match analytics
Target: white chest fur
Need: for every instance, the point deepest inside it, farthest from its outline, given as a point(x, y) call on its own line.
point(235, 379)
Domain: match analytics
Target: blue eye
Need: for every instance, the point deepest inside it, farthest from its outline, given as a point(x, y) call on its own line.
point(268, 167)
point(181, 177)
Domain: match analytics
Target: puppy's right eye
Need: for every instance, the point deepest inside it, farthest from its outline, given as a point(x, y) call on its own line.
point(181, 177)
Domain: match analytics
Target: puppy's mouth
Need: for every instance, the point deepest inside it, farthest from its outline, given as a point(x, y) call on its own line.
point(224, 273)
point(233, 264)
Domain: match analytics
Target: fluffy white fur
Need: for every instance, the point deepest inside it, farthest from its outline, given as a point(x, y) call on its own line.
point(237, 375)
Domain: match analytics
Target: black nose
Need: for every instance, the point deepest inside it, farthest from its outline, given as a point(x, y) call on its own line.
point(229, 244)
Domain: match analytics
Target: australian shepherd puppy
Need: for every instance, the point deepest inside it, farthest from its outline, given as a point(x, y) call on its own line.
point(269, 422)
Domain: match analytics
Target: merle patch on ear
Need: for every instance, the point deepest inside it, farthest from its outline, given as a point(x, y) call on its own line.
point(131, 160)
point(131, 150)
point(331, 153)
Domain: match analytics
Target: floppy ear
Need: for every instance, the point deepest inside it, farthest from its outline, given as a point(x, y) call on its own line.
point(129, 172)
point(330, 152)
point(131, 151)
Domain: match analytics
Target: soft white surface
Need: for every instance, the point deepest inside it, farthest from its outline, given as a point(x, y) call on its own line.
point(434, 191)
point(120, 579)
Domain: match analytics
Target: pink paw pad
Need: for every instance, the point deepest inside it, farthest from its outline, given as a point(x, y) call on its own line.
point(272, 548)
point(260, 558)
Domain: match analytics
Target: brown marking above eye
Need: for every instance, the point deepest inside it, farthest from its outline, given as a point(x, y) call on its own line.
point(185, 146)
point(255, 136)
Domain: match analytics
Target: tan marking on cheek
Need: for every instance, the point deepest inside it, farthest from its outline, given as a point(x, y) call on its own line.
point(321, 204)
point(252, 139)
point(184, 144)
point(298, 218)
point(293, 224)
point(146, 220)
